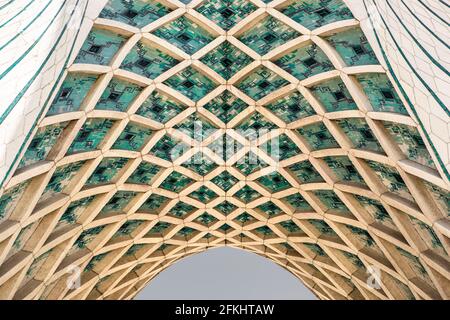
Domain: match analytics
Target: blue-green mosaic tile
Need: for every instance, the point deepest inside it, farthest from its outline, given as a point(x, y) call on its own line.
point(61, 178)
point(159, 228)
point(344, 169)
point(90, 135)
point(281, 148)
point(22, 238)
point(331, 201)
point(192, 83)
point(185, 232)
point(274, 182)
point(316, 249)
point(206, 219)
point(128, 228)
point(377, 211)
point(381, 93)
point(225, 208)
point(391, 179)
point(225, 147)
point(318, 136)
point(169, 148)
point(298, 203)
point(159, 107)
point(334, 95)
point(74, 211)
point(268, 34)
point(100, 47)
point(184, 34)
point(107, 170)
point(428, 235)
point(138, 13)
point(360, 134)
point(322, 227)
point(132, 138)
point(305, 62)
point(144, 174)
point(313, 14)
point(118, 95)
point(363, 235)
point(226, 60)
point(226, 106)
point(225, 180)
point(42, 143)
point(290, 226)
point(441, 197)
point(270, 209)
point(153, 204)
point(94, 261)
point(247, 194)
point(87, 236)
point(72, 93)
point(147, 61)
point(225, 227)
point(164, 246)
point(353, 259)
point(291, 107)
point(353, 47)
point(306, 173)
point(255, 126)
point(119, 201)
point(261, 82)
point(196, 127)
point(176, 182)
point(36, 265)
point(226, 13)
point(411, 143)
point(264, 231)
point(250, 163)
point(244, 218)
point(10, 198)
point(416, 266)
point(203, 194)
point(200, 163)
point(181, 210)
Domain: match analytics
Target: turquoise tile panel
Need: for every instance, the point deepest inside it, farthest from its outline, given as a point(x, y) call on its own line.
point(305, 62)
point(334, 95)
point(226, 13)
point(184, 34)
point(192, 83)
point(314, 14)
point(291, 107)
point(100, 47)
point(148, 61)
point(42, 143)
point(261, 82)
point(72, 93)
point(268, 34)
point(90, 135)
point(160, 107)
point(138, 13)
point(118, 95)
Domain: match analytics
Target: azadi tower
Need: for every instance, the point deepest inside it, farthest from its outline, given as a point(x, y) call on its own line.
point(134, 133)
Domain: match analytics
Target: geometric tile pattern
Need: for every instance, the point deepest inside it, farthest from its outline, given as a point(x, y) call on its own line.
point(324, 171)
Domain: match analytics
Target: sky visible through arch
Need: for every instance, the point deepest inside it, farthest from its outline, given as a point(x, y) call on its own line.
point(225, 273)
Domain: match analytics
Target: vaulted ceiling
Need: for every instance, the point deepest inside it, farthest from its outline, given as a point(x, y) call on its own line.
point(266, 126)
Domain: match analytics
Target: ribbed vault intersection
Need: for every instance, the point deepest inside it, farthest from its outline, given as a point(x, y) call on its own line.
point(290, 139)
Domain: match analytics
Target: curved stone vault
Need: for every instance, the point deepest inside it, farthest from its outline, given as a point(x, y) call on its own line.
point(266, 126)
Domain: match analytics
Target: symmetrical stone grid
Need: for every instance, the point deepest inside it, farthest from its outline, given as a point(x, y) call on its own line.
point(37, 38)
point(414, 36)
point(329, 248)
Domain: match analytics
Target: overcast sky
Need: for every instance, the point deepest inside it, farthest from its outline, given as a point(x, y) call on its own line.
point(225, 273)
